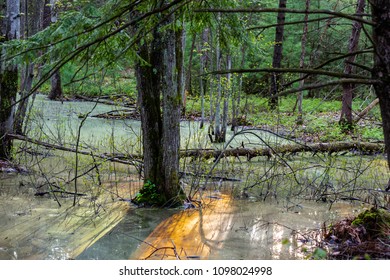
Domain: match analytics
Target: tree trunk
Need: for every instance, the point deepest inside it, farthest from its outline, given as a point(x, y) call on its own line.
point(161, 128)
point(226, 98)
point(56, 86)
point(218, 138)
point(202, 81)
point(31, 24)
point(172, 100)
point(302, 64)
point(10, 27)
point(181, 79)
point(277, 57)
point(236, 96)
point(315, 53)
point(346, 118)
point(381, 70)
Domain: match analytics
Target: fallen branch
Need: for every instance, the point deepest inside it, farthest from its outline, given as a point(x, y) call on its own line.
point(363, 113)
point(63, 148)
point(59, 191)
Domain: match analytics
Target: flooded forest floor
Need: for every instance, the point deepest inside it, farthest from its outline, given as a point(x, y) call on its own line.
point(62, 205)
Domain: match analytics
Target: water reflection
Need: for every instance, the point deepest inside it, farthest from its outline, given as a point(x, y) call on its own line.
point(225, 229)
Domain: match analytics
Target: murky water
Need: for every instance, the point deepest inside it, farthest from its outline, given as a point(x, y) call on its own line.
point(104, 225)
point(59, 121)
point(244, 230)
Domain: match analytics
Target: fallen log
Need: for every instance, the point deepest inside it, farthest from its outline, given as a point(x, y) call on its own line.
point(134, 159)
point(118, 114)
point(125, 102)
point(362, 147)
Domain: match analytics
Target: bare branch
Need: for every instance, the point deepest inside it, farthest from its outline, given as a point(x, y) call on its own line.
point(290, 23)
point(291, 70)
point(353, 17)
point(331, 83)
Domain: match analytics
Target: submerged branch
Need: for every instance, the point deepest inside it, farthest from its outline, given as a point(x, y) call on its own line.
point(134, 162)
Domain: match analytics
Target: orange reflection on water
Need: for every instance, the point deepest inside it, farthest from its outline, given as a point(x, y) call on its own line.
point(191, 233)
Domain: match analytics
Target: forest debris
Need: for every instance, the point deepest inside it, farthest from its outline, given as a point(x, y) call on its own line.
point(9, 167)
point(366, 236)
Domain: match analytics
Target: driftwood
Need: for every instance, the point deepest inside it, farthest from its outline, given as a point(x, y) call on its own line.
point(363, 147)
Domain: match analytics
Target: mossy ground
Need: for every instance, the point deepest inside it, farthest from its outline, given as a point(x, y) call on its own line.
point(367, 236)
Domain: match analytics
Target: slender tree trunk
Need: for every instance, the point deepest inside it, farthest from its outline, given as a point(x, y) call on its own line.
point(56, 86)
point(277, 57)
point(315, 53)
point(236, 97)
point(346, 118)
point(10, 27)
point(188, 86)
point(381, 71)
point(181, 80)
point(202, 81)
point(226, 99)
point(217, 126)
point(302, 63)
point(31, 24)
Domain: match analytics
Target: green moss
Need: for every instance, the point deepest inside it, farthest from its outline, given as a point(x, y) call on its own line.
point(375, 221)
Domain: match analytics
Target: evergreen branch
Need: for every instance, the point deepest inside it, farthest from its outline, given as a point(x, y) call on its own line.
point(70, 56)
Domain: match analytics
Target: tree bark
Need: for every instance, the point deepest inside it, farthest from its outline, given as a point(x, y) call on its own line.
point(31, 24)
point(158, 82)
point(302, 63)
point(10, 27)
point(55, 80)
point(172, 100)
point(346, 118)
point(381, 70)
point(277, 57)
point(56, 86)
point(202, 81)
point(218, 137)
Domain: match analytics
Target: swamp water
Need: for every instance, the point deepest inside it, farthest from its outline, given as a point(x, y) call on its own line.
point(104, 225)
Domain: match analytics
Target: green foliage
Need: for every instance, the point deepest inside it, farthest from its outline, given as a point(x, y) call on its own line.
point(149, 195)
point(319, 254)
